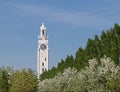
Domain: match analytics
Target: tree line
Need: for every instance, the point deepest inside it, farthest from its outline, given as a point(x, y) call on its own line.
point(12, 80)
point(95, 77)
point(78, 73)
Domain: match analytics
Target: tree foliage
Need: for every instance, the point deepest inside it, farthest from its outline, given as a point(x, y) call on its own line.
point(17, 81)
point(94, 78)
point(23, 81)
point(5, 78)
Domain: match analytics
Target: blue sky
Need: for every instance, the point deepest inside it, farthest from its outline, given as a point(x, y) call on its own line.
point(69, 24)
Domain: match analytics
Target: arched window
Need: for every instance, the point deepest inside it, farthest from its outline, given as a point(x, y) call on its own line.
point(42, 64)
point(42, 69)
point(43, 32)
point(45, 59)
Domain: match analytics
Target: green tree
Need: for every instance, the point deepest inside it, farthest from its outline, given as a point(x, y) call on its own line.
point(91, 49)
point(114, 83)
point(49, 74)
point(98, 47)
point(116, 30)
point(23, 81)
point(80, 59)
point(4, 79)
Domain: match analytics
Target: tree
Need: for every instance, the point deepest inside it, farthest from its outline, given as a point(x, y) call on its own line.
point(116, 30)
point(60, 83)
point(23, 81)
point(114, 84)
point(80, 59)
point(4, 79)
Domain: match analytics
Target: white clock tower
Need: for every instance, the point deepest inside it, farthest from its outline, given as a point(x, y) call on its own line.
point(42, 51)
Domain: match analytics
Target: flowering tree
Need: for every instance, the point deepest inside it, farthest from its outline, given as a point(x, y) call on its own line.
point(94, 78)
point(60, 83)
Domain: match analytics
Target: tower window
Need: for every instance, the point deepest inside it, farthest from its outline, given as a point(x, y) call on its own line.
point(43, 32)
point(42, 64)
point(45, 59)
point(42, 69)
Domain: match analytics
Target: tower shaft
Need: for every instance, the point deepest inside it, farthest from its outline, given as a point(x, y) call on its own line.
point(42, 51)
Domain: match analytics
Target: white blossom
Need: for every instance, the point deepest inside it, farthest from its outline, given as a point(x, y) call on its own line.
point(93, 78)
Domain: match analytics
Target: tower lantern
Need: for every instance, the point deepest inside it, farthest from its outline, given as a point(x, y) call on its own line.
point(43, 31)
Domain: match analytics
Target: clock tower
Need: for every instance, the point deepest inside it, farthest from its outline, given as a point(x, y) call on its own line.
point(42, 51)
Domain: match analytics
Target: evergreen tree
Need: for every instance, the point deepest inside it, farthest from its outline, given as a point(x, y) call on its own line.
point(117, 33)
point(91, 49)
point(80, 59)
point(98, 47)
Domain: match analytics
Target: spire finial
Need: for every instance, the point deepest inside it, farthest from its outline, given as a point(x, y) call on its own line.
point(43, 24)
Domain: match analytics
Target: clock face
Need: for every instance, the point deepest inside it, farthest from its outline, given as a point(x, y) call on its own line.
point(43, 46)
